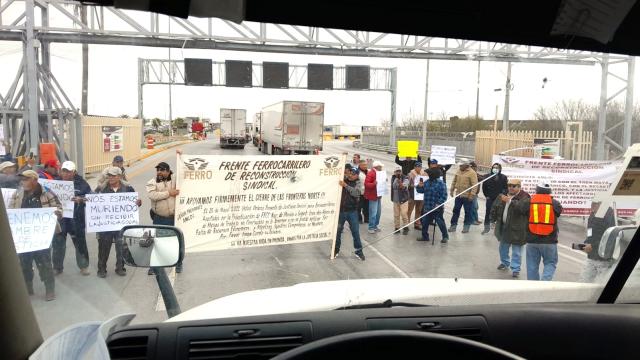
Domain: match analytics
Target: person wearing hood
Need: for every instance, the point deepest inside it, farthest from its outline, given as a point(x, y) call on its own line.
point(75, 227)
point(9, 178)
point(492, 189)
point(162, 192)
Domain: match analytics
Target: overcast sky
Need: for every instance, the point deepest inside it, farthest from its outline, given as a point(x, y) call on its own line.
point(452, 85)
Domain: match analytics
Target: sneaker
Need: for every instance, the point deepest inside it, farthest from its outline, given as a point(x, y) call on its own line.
point(453, 228)
point(121, 272)
point(335, 256)
point(371, 231)
point(444, 240)
point(179, 268)
point(85, 271)
point(465, 229)
point(515, 274)
point(486, 230)
point(502, 267)
point(360, 255)
point(405, 231)
point(50, 296)
point(378, 229)
point(396, 230)
point(102, 274)
point(151, 272)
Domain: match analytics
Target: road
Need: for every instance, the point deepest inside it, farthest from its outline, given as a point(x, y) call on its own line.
point(208, 276)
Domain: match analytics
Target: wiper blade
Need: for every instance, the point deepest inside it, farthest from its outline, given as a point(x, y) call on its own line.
point(385, 304)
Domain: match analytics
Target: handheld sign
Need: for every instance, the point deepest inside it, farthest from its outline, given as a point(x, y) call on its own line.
point(64, 191)
point(32, 229)
point(408, 149)
point(446, 155)
point(111, 211)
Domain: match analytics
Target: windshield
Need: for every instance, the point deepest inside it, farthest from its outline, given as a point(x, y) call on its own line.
point(491, 176)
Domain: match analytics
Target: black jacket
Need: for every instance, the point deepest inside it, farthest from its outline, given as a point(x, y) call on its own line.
point(80, 189)
point(514, 230)
point(524, 206)
point(598, 226)
point(350, 196)
point(407, 165)
point(443, 169)
point(496, 185)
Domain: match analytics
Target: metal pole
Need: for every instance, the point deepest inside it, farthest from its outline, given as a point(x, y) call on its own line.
point(628, 107)
point(85, 67)
point(46, 94)
point(170, 81)
point(478, 93)
point(394, 91)
point(425, 117)
point(505, 116)
point(141, 97)
point(602, 116)
point(30, 80)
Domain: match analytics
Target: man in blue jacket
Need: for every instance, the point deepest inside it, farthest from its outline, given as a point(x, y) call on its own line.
point(348, 206)
point(435, 193)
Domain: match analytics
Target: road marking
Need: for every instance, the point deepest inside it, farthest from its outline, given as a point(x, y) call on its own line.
point(278, 260)
point(172, 279)
point(389, 262)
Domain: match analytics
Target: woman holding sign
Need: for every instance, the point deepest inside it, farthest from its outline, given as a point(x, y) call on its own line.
point(105, 239)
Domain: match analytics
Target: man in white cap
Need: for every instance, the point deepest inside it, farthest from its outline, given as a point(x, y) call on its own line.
point(8, 175)
point(75, 227)
point(375, 199)
point(464, 185)
point(400, 199)
point(105, 239)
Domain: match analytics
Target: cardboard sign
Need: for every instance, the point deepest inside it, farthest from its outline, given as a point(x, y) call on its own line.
point(381, 178)
point(446, 155)
point(6, 196)
point(32, 229)
point(416, 195)
point(111, 211)
point(64, 191)
point(408, 149)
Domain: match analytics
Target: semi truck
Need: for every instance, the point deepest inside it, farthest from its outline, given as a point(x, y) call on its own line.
point(292, 127)
point(232, 128)
point(255, 129)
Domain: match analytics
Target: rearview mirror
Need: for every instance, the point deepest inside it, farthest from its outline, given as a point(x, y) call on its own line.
point(152, 245)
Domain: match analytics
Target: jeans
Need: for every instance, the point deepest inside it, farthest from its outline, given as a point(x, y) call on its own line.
point(549, 255)
point(59, 245)
point(594, 269)
point(169, 221)
point(439, 219)
point(468, 208)
point(400, 217)
point(516, 258)
point(375, 208)
point(42, 259)
point(487, 211)
point(363, 209)
point(352, 218)
point(105, 240)
point(474, 210)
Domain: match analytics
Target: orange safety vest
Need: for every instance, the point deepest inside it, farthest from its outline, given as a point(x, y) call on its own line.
point(541, 215)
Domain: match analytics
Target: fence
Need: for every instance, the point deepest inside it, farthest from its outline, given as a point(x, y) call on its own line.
point(106, 137)
point(574, 145)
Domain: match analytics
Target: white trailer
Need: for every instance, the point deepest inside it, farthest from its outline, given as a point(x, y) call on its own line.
point(232, 128)
point(292, 127)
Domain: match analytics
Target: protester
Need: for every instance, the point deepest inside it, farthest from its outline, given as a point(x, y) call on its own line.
point(162, 193)
point(375, 201)
point(415, 204)
point(596, 265)
point(348, 207)
point(106, 238)
point(118, 161)
point(476, 218)
point(50, 170)
point(542, 233)
point(464, 185)
point(400, 198)
point(75, 227)
point(32, 195)
point(356, 161)
point(9, 178)
point(511, 226)
point(363, 204)
point(492, 188)
point(408, 163)
point(435, 194)
point(433, 163)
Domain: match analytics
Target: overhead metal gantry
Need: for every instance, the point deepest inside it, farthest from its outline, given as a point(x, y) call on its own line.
point(37, 23)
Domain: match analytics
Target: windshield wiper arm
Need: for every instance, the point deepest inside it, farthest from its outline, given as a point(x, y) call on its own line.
point(385, 304)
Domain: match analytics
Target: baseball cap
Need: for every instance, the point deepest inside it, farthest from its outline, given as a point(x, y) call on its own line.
point(162, 166)
point(7, 164)
point(398, 168)
point(464, 162)
point(68, 165)
point(114, 170)
point(355, 171)
point(418, 164)
point(29, 174)
point(433, 161)
point(377, 163)
point(51, 163)
point(515, 182)
point(118, 158)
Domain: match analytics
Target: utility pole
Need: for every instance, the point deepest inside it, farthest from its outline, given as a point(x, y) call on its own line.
point(84, 106)
point(477, 93)
point(425, 116)
point(507, 89)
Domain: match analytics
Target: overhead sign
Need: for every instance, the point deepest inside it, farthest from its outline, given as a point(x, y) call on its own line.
point(573, 183)
point(32, 229)
point(446, 155)
point(112, 138)
point(64, 191)
point(111, 212)
point(408, 149)
point(230, 202)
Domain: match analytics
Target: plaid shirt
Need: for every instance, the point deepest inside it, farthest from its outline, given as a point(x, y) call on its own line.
point(435, 193)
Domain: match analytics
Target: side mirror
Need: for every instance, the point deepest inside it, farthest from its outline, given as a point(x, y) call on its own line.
point(615, 241)
point(152, 245)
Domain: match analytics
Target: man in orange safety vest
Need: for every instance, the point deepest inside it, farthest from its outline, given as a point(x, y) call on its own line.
point(542, 232)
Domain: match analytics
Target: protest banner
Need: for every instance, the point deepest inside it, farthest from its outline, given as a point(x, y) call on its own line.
point(111, 211)
point(408, 148)
point(446, 155)
point(32, 229)
point(6, 196)
point(64, 191)
point(381, 178)
point(416, 195)
point(229, 202)
point(574, 183)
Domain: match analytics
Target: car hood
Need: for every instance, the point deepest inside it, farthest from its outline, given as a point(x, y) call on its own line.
point(330, 295)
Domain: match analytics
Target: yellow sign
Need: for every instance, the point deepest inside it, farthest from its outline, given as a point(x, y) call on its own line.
point(408, 149)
